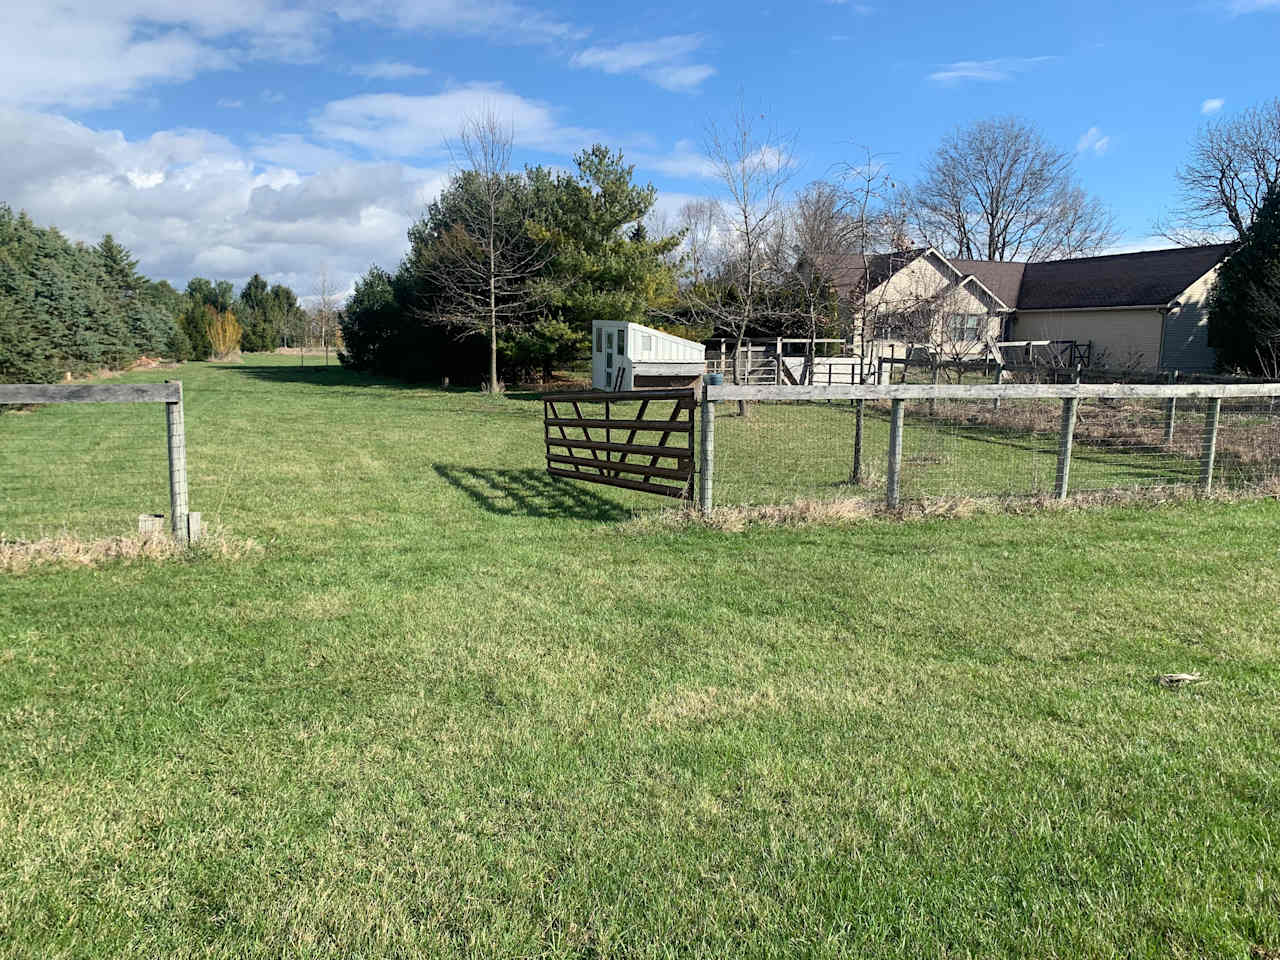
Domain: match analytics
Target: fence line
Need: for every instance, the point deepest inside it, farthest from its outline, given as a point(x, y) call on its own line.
point(1119, 421)
point(974, 391)
point(184, 524)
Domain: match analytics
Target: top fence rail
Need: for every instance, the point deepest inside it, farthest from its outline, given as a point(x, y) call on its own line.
point(22, 393)
point(1003, 391)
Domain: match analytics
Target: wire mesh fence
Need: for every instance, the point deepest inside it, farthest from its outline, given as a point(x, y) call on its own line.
point(85, 469)
point(777, 451)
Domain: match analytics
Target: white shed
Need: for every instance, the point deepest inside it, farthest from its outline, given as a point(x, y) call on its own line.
point(631, 356)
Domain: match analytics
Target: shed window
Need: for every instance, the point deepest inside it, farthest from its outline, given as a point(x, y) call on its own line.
point(646, 343)
point(608, 341)
point(622, 342)
point(599, 339)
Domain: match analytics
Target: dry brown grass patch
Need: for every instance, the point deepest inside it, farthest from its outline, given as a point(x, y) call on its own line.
point(844, 512)
point(18, 556)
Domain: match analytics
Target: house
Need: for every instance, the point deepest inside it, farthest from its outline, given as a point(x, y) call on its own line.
point(631, 356)
point(1139, 310)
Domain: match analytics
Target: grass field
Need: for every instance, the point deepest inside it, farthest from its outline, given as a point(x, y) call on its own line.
point(454, 708)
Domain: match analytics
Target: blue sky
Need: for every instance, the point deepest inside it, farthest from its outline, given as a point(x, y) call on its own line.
point(221, 137)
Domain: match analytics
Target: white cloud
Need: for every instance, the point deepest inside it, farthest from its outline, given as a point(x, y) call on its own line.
point(663, 61)
point(497, 20)
point(190, 202)
point(1093, 140)
point(990, 71)
point(685, 161)
point(394, 124)
point(90, 53)
point(1251, 6)
point(679, 79)
point(1212, 105)
point(95, 53)
point(228, 104)
point(389, 70)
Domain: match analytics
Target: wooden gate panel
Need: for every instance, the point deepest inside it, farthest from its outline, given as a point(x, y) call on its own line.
point(582, 447)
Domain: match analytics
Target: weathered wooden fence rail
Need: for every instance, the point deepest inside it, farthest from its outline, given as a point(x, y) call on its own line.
point(184, 524)
point(1069, 394)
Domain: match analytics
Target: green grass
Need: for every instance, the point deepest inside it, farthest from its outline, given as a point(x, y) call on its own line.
point(453, 708)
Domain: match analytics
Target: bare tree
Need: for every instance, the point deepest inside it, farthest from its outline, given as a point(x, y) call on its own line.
point(825, 230)
point(484, 256)
point(997, 190)
point(324, 314)
point(702, 223)
point(1234, 162)
point(753, 164)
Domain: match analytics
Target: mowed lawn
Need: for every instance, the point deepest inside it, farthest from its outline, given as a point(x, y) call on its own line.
point(454, 708)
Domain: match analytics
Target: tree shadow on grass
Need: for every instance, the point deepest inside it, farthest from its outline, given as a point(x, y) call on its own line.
point(530, 493)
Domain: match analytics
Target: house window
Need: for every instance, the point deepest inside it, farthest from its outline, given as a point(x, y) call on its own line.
point(622, 342)
point(608, 341)
point(965, 326)
point(599, 339)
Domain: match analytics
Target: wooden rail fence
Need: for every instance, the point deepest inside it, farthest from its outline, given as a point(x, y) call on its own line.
point(1069, 394)
point(583, 447)
point(184, 523)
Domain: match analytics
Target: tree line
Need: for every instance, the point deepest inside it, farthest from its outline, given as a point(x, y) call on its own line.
point(74, 308)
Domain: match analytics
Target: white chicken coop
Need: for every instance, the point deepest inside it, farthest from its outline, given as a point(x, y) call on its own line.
point(631, 356)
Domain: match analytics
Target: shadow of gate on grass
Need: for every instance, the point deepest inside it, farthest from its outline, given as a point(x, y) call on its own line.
point(529, 493)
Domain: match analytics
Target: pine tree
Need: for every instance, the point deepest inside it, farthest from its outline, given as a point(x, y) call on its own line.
point(1244, 305)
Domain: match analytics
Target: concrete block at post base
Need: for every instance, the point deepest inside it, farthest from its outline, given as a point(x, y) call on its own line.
point(150, 524)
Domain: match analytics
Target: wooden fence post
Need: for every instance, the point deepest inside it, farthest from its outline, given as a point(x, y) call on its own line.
point(1170, 413)
point(176, 429)
point(892, 497)
point(1069, 406)
point(707, 452)
point(998, 380)
point(1209, 450)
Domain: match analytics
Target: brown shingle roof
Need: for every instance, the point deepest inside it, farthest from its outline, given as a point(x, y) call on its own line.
point(1002, 279)
point(1120, 280)
point(848, 272)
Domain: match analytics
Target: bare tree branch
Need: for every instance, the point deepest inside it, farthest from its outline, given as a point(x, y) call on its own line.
point(998, 191)
point(1234, 162)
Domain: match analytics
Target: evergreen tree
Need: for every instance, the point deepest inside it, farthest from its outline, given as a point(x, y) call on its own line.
point(605, 266)
point(258, 316)
point(1244, 305)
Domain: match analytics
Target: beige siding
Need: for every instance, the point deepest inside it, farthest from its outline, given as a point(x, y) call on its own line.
point(1186, 331)
point(925, 278)
point(1121, 338)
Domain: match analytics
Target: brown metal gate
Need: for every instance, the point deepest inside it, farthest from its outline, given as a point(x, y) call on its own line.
point(636, 439)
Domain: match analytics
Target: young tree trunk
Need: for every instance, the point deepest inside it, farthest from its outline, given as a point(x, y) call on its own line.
point(493, 328)
point(855, 476)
